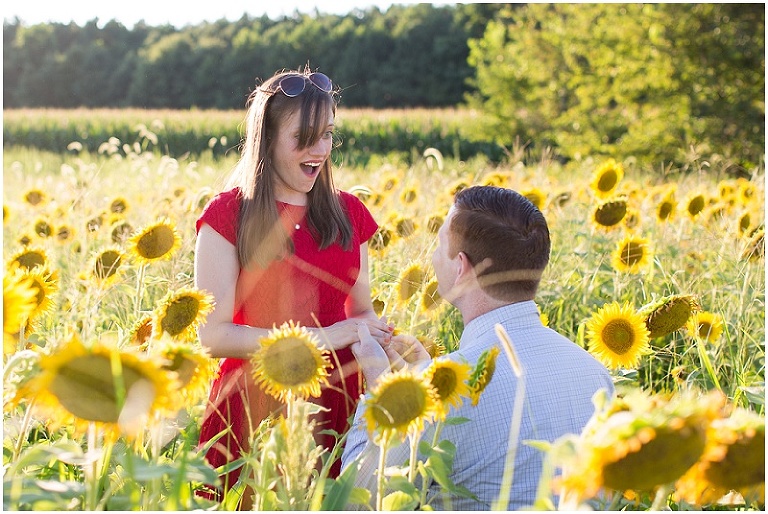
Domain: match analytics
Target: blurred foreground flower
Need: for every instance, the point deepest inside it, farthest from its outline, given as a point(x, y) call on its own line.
point(113, 389)
point(733, 460)
point(640, 442)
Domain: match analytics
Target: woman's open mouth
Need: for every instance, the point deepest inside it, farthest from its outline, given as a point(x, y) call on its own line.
point(311, 169)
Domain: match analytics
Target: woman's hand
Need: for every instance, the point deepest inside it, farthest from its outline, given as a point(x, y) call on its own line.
point(344, 333)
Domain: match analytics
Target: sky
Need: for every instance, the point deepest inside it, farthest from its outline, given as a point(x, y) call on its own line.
point(176, 13)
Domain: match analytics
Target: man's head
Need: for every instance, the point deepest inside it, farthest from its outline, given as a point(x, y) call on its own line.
point(500, 236)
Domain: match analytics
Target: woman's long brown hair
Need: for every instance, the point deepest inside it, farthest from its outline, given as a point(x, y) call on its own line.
point(261, 237)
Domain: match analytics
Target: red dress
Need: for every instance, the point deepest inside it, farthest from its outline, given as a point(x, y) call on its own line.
point(310, 284)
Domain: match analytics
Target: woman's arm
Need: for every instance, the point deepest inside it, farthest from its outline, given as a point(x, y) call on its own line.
point(216, 271)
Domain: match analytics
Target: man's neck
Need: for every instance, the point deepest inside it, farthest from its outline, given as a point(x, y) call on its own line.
point(473, 306)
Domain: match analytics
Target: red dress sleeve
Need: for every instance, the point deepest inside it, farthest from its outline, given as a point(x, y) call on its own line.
point(363, 224)
point(221, 214)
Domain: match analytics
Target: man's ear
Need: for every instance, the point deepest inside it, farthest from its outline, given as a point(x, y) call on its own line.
point(466, 269)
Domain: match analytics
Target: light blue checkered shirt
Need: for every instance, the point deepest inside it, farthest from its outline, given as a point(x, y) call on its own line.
point(560, 381)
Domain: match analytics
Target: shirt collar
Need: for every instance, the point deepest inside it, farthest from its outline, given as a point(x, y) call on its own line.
point(513, 316)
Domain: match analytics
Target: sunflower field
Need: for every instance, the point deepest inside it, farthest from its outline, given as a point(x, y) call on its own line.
point(659, 273)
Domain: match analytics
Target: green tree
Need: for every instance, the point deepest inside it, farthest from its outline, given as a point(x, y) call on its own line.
point(616, 79)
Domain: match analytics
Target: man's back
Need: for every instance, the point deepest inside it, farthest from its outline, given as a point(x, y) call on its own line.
point(560, 380)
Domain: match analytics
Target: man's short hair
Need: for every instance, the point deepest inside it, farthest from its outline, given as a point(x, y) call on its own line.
point(504, 236)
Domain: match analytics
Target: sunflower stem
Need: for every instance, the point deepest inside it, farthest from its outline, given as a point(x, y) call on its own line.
point(139, 288)
point(91, 469)
point(25, 422)
point(413, 438)
point(383, 446)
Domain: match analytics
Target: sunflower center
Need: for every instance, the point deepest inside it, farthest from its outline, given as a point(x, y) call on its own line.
point(696, 205)
point(107, 264)
point(704, 329)
point(610, 213)
point(743, 464)
point(290, 362)
point(660, 461)
point(29, 260)
point(607, 181)
point(444, 381)
point(184, 368)
point(156, 242)
point(632, 254)
point(399, 403)
point(619, 336)
point(179, 315)
point(665, 210)
point(85, 386)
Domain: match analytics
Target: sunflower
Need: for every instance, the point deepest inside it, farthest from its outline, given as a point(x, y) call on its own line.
point(747, 191)
point(35, 197)
point(119, 205)
point(495, 178)
point(19, 302)
point(42, 228)
point(640, 442)
point(434, 222)
point(405, 226)
point(409, 195)
point(121, 231)
point(668, 314)
point(430, 298)
point(6, 214)
point(115, 390)
point(410, 281)
point(181, 312)
point(457, 186)
point(704, 325)
point(617, 335)
point(609, 213)
point(155, 242)
point(561, 198)
point(665, 210)
point(747, 221)
point(95, 223)
point(44, 282)
point(390, 181)
point(141, 332)
point(632, 254)
point(192, 364)
point(631, 219)
point(30, 257)
point(106, 265)
point(733, 460)
point(290, 363)
point(435, 347)
point(606, 178)
point(380, 239)
point(449, 379)
point(482, 373)
point(399, 404)
point(64, 233)
point(695, 204)
point(536, 196)
point(754, 250)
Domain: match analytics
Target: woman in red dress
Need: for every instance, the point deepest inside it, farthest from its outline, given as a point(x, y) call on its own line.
point(282, 243)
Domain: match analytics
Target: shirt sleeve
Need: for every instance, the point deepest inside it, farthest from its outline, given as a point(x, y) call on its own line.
point(363, 224)
point(221, 214)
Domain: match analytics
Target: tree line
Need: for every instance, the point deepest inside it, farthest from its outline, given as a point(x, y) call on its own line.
point(407, 56)
point(653, 81)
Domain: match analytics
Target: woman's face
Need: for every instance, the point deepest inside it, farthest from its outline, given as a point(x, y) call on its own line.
point(296, 170)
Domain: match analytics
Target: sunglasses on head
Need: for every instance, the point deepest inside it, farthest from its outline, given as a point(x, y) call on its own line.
point(294, 85)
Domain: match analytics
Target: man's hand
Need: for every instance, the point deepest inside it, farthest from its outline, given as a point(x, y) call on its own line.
point(408, 348)
point(374, 360)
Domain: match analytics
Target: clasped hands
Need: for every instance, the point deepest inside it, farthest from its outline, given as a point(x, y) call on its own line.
point(392, 354)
